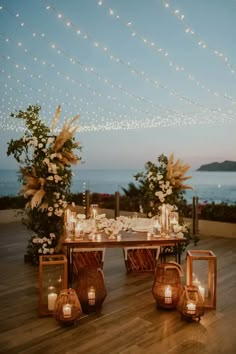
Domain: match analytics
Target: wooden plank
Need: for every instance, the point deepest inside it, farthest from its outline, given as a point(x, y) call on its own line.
point(129, 321)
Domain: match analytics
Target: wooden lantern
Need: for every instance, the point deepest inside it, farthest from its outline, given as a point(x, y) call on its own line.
point(52, 279)
point(67, 308)
point(167, 286)
point(91, 289)
point(202, 272)
point(191, 303)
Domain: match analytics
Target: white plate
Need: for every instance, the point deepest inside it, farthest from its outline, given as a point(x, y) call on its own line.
point(141, 229)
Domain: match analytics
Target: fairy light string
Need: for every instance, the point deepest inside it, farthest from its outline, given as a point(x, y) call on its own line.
point(133, 124)
point(197, 39)
point(20, 45)
point(157, 49)
point(109, 82)
point(97, 44)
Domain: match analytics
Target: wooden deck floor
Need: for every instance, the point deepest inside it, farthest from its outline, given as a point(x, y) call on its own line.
point(129, 321)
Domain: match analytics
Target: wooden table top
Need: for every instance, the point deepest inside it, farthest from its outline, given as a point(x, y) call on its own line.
point(128, 239)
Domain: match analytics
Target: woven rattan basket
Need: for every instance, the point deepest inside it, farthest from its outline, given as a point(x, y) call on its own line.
point(167, 287)
point(67, 307)
point(191, 303)
point(91, 278)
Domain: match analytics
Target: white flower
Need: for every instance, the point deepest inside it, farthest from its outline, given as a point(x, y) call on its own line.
point(49, 214)
point(151, 186)
point(52, 235)
point(40, 145)
point(57, 178)
point(50, 208)
point(51, 250)
point(50, 140)
point(40, 250)
point(56, 205)
point(177, 228)
point(50, 178)
point(81, 216)
point(52, 156)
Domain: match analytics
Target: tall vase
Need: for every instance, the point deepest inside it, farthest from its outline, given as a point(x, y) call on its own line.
point(165, 219)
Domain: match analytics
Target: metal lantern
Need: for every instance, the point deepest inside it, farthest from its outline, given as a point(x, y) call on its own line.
point(52, 279)
point(91, 289)
point(191, 303)
point(167, 286)
point(202, 272)
point(67, 308)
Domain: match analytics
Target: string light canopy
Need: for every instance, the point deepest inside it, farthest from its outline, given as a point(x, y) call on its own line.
point(88, 72)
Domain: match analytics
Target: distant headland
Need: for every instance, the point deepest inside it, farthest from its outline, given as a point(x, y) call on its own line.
point(226, 166)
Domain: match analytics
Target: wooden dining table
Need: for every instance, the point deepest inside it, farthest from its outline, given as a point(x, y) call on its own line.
point(127, 239)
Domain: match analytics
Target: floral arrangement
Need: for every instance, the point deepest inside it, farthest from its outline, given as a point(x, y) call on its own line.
point(45, 161)
point(162, 183)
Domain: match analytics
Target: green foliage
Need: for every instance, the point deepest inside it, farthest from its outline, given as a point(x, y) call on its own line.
point(45, 171)
point(152, 182)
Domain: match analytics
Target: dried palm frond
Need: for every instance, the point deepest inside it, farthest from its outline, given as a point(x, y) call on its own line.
point(56, 118)
point(43, 206)
point(69, 158)
point(176, 172)
point(34, 186)
point(37, 198)
point(67, 132)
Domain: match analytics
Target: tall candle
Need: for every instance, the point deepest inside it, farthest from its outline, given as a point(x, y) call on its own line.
point(91, 296)
point(167, 220)
point(163, 216)
point(202, 291)
point(168, 295)
point(51, 301)
point(66, 309)
point(191, 308)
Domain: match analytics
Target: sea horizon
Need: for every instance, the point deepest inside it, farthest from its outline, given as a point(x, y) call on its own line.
point(209, 187)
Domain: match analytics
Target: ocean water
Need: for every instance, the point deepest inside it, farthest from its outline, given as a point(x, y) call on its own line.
point(208, 186)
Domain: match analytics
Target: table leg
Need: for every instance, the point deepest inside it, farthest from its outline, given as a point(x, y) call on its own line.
point(179, 253)
point(69, 266)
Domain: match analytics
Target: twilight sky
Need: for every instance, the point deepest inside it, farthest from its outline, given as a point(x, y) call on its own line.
point(147, 76)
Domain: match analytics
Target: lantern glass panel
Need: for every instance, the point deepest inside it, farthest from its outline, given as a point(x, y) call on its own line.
point(52, 279)
point(202, 272)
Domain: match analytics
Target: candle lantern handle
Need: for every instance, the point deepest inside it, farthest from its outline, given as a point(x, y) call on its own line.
point(174, 265)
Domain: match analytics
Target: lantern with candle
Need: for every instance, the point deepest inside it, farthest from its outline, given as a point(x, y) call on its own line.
point(91, 289)
point(202, 272)
point(191, 303)
point(52, 279)
point(67, 307)
point(93, 211)
point(70, 222)
point(167, 286)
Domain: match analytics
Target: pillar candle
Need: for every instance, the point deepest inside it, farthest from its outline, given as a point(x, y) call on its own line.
point(168, 295)
point(51, 301)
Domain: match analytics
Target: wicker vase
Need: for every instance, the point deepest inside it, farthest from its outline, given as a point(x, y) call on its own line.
point(67, 307)
point(167, 287)
point(91, 289)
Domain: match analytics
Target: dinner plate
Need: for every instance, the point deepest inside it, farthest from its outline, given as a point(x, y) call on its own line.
point(141, 229)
